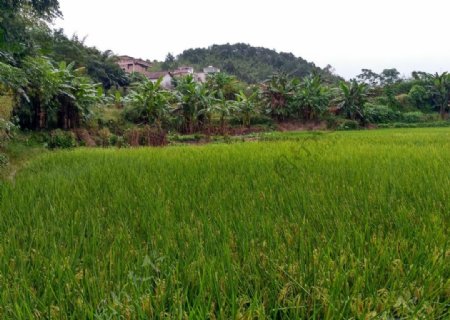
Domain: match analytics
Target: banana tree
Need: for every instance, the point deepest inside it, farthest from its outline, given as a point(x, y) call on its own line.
point(245, 107)
point(312, 98)
point(439, 87)
point(353, 97)
point(277, 93)
point(192, 99)
point(151, 101)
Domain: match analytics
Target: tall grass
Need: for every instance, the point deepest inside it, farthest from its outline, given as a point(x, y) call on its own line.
point(320, 226)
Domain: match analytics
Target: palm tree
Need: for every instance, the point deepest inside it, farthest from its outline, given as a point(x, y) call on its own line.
point(353, 97)
point(439, 86)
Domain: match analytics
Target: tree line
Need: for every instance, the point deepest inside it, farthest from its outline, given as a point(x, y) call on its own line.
point(55, 82)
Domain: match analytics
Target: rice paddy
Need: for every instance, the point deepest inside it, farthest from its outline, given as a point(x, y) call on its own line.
point(332, 225)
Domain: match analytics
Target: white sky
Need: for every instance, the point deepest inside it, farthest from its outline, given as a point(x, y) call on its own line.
point(348, 34)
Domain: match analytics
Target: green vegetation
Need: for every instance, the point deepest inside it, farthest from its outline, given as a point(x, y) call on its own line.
point(311, 225)
point(49, 81)
point(247, 63)
point(320, 225)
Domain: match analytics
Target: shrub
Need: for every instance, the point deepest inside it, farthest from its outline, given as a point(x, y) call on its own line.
point(61, 139)
point(85, 138)
point(153, 137)
point(404, 101)
point(105, 136)
point(380, 114)
point(132, 136)
point(332, 122)
point(413, 117)
point(113, 140)
point(432, 124)
point(348, 125)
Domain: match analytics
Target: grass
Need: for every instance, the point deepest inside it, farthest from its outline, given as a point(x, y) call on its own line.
point(6, 106)
point(321, 226)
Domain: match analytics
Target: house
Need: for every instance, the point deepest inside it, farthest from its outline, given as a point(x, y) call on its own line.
point(183, 71)
point(179, 72)
point(211, 70)
point(166, 78)
point(130, 64)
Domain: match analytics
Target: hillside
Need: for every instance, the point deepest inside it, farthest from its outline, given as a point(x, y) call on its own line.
point(250, 64)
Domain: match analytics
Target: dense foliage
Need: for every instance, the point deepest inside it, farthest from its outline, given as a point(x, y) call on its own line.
point(249, 64)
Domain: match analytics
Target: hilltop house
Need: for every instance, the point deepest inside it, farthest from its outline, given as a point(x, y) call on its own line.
point(130, 64)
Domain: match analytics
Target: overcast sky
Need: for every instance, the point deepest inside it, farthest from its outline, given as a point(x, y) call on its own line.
point(348, 34)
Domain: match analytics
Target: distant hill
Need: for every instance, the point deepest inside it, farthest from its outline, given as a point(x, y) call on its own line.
point(250, 64)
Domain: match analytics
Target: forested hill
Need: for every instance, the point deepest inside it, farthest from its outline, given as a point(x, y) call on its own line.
point(250, 64)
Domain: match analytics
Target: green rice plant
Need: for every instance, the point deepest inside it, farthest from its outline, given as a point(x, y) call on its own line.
point(336, 225)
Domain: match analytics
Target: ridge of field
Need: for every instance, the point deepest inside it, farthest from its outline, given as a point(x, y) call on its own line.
point(333, 225)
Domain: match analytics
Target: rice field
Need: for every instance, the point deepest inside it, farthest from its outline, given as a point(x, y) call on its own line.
point(339, 225)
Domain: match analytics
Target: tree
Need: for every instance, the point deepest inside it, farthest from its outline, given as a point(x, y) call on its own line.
point(389, 76)
point(18, 18)
point(170, 63)
point(311, 98)
point(369, 77)
point(277, 95)
point(245, 107)
point(151, 102)
point(223, 85)
point(439, 86)
point(54, 96)
point(192, 98)
point(419, 96)
point(352, 100)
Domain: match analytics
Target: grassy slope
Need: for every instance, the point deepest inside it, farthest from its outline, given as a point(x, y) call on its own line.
point(322, 226)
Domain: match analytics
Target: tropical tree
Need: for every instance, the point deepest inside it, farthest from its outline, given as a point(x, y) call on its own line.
point(192, 99)
point(245, 107)
point(277, 94)
point(224, 86)
point(311, 98)
point(151, 102)
point(439, 86)
point(352, 100)
point(54, 96)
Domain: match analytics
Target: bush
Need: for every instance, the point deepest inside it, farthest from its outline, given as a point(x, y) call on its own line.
point(3, 160)
point(380, 114)
point(153, 137)
point(132, 114)
point(85, 138)
point(413, 117)
point(332, 122)
point(61, 139)
point(146, 136)
point(105, 136)
point(348, 125)
point(433, 124)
